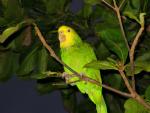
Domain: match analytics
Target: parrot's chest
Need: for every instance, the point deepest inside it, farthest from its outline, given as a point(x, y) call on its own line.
point(75, 58)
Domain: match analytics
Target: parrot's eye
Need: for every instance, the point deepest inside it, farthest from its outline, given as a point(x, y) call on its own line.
point(68, 30)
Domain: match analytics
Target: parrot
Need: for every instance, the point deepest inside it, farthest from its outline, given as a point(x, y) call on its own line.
point(76, 54)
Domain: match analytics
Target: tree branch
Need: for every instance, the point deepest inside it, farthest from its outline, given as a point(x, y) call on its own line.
point(121, 4)
point(131, 54)
point(132, 91)
point(117, 10)
point(83, 77)
point(110, 6)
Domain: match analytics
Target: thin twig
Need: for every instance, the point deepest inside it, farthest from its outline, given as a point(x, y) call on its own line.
point(121, 4)
point(134, 94)
point(110, 6)
point(85, 78)
point(117, 10)
point(116, 91)
point(131, 54)
point(126, 81)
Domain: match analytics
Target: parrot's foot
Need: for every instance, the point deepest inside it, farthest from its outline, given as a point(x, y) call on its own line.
point(82, 76)
point(70, 79)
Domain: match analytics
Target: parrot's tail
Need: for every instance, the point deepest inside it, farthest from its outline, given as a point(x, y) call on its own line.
point(102, 107)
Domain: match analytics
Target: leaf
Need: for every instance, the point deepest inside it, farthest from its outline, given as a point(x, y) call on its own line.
point(114, 41)
point(92, 2)
point(8, 65)
point(42, 59)
point(132, 106)
point(132, 16)
point(28, 63)
point(102, 65)
point(87, 10)
point(114, 80)
point(133, 6)
point(11, 30)
point(53, 6)
point(142, 63)
point(141, 17)
point(10, 14)
point(114, 103)
point(44, 88)
point(147, 94)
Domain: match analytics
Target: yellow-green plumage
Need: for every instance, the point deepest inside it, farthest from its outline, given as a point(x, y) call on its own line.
point(76, 54)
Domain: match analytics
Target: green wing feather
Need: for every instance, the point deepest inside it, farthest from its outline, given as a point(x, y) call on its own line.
point(76, 57)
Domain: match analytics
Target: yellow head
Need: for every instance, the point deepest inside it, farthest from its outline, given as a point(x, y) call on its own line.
point(67, 36)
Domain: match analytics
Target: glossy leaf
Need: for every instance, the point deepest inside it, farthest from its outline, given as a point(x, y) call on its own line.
point(11, 30)
point(28, 64)
point(132, 16)
point(102, 65)
point(147, 94)
point(132, 106)
point(114, 80)
point(142, 63)
point(133, 6)
point(113, 39)
point(42, 59)
point(9, 12)
point(92, 2)
point(44, 88)
point(8, 65)
point(53, 6)
point(87, 10)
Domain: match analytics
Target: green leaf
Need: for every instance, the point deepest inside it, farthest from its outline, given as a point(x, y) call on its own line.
point(10, 14)
point(102, 65)
point(8, 65)
point(142, 63)
point(42, 59)
point(11, 30)
point(4, 2)
point(114, 80)
point(92, 2)
point(44, 88)
point(28, 63)
point(147, 94)
point(39, 76)
point(53, 6)
point(132, 16)
point(133, 6)
point(132, 106)
point(142, 19)
point(87, 10)
point(114, 41)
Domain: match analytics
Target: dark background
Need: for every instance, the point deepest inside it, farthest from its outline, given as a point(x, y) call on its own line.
point(19, 96)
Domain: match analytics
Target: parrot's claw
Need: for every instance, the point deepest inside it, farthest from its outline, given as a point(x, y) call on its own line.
point(68, 78)
point(81, 75)
point(64, 75)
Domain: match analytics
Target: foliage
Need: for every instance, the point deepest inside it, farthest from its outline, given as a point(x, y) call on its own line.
point(22, 54)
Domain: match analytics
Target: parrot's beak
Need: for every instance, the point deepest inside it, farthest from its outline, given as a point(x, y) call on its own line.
point(62, 37)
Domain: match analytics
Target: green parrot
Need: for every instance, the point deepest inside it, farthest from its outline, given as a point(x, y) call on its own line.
point(76, 53)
